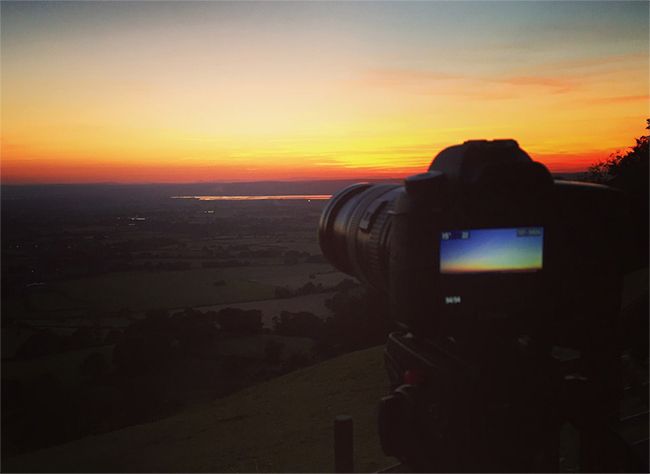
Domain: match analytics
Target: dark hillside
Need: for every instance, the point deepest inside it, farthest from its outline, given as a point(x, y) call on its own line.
point(284, 425)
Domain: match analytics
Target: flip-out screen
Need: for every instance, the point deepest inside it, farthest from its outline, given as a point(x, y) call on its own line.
point(513, 249)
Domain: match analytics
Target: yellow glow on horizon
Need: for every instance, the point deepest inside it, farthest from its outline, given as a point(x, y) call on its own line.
point(175, 103)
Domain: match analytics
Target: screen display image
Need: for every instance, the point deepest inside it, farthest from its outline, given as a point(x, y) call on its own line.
point(506, 250)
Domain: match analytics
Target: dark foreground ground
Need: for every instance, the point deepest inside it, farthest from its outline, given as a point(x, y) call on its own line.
point(284, 425)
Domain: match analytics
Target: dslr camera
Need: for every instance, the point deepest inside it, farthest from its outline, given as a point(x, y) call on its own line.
point(504, 286)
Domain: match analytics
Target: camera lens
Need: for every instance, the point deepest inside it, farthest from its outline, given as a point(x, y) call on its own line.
point(354, 231)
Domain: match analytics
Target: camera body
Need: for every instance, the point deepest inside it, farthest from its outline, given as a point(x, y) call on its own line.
point(492, 268)
point(486, 240)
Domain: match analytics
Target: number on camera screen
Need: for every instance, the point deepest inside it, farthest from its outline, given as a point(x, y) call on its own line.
point(512, 249)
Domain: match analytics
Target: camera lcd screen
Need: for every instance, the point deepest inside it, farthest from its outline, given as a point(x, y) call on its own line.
point(505, 250)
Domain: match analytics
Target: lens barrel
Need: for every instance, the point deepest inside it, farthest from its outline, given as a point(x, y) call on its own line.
point(354, 231)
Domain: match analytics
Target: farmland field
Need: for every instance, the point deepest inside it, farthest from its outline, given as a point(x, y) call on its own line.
point(141, 279)
point(65, 366)
point(140, 291)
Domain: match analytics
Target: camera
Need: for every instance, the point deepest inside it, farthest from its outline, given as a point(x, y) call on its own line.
point(504, 285)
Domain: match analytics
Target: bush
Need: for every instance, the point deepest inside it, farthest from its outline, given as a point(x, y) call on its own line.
point(194, 330)
point(360, 319)
point(300, 324)
point(283, 292)
point(144, 354)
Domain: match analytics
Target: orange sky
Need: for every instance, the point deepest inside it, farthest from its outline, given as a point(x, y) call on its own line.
point(218, 91)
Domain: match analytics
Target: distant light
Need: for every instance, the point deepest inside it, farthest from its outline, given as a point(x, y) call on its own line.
point(278, 197)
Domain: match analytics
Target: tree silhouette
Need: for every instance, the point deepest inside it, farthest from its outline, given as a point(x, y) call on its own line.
point(628, 172)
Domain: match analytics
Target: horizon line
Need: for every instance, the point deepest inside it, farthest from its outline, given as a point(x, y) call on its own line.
point(288, 180)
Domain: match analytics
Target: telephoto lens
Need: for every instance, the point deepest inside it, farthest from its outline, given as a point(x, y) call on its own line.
point(354, 231)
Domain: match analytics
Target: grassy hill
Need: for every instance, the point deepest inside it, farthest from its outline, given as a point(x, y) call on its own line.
point(284, 425)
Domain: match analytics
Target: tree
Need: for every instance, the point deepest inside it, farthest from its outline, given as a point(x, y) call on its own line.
point(629, 172)
point(299, 324)
point(194, 330)
point(360, 319)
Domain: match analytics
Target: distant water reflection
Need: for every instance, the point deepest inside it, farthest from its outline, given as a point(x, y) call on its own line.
point(281, 197)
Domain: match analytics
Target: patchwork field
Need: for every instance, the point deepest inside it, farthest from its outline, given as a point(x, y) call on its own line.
point(201, 287)
point(80, 276)
point(171, 289)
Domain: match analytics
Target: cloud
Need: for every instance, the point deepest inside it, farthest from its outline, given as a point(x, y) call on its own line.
point(622, 99)
point(428, 82)
point(596, 63)
point(553, 84)
point(554, 76)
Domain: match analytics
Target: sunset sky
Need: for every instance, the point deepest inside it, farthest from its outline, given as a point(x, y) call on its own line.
point(219, 91)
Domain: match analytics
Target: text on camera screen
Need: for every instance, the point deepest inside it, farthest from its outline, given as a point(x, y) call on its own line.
point(505, 250)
